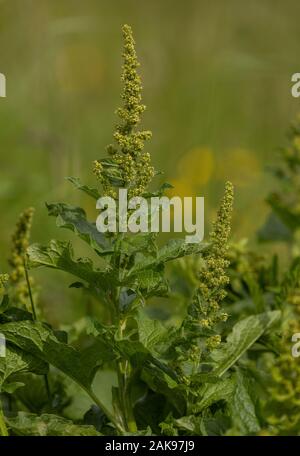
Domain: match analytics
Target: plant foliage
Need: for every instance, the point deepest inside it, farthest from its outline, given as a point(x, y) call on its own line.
point(221, 369)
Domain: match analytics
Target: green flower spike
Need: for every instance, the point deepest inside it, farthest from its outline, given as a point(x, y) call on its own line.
point(213, 278)
point(20, 243)
point(128, 166)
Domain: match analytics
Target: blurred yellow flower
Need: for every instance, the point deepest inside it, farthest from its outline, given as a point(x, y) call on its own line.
point(240, 166)
point(196, 166)
point(181, 188)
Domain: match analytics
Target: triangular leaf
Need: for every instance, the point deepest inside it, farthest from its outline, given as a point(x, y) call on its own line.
point(74, 219)
point(244, 334)
point(93, 192)
point(59, 255)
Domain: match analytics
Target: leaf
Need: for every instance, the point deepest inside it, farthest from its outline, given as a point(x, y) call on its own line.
point(290, 219)
point(4, 305)
point(131, 244)
point(47, 425)
point(134, 351)
point(160, 191)
point(74, 219)
point(93, 192)
point(151, 332)
point(59, 255)
point(38, 340)
point(214, 426)
point(213, 392)
point(15, 314)
point(160, 382)
point(175, 248)
point(244, 334)
point(274, 230)
point(187, 423)
point(149, 282)
point(15, 362)
point(242, 406)
point(11, 387)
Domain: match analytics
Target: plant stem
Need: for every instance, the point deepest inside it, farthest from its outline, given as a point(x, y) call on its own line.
point(35, 319)
point(3, 428)
point(131, 423)
point(124, 382)
point(105, 411)
point(123, 367)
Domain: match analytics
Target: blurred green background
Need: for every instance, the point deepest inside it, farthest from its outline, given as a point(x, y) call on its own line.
point(216, 79)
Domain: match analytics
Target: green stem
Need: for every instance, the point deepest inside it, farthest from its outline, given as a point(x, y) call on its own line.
point(123, 367)
point(46, 380)
point(124, 383)
point(131, 423)
point(3, 428)
point(105, 411)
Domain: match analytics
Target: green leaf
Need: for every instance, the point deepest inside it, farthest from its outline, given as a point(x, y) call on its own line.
point(244, 334)
point(178, 248)
point(60, 255)
point(213, 392)
point(289, 218)
point(11, 387)
point(149, 282)
point(14, 314)
point(242, 406)
point(93, 192)
point(15, 362)
point(47, 425)
point(274, 230)
point(4, 304)
point(160, 382)
point(188, 423)
point(38, 340)
point(74, 218)
point(175, 248)
point(132, 244)
point(152, 333)
point(165, 186)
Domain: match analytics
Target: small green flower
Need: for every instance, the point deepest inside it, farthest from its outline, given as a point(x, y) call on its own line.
point(213, 342)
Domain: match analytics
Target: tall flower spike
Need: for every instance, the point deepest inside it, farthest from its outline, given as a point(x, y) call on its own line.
point(129, 166)
point(213, 279)
point(20, 242)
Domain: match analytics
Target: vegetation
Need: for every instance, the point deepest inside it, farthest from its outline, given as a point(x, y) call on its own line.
point(224, 369)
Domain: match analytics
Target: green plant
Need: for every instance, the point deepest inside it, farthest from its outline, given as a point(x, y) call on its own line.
point(207, 375)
